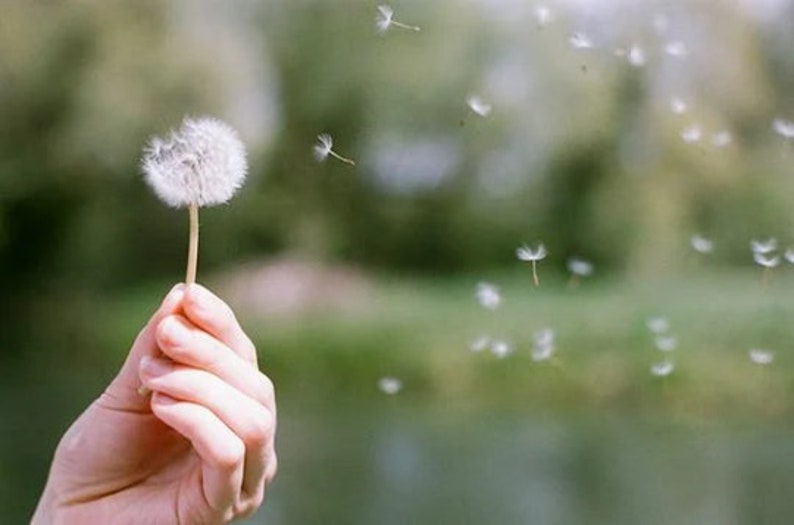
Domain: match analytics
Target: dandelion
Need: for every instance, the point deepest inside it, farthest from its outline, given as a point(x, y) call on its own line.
point(766, 261)
point(678, 106)
point(543, 348)
point(201, 163)
point(789, 255)
point(527, 254)
point(784, 128)
point(480, 344)
point(662, 368)
point(665, 343)
point(701, 244)
point(488, 296)
point(543, 15)
point(658, 325)
point(580, 41)
point(385, 19)
point(676, 49)
point(761, 357)
point(692, 134)
point(578, 268)
point(390, 385)
point(763, 247)
point(721, 139)
point(501, 349)
point(478, 105)
point(636, 56)
point(324, 147)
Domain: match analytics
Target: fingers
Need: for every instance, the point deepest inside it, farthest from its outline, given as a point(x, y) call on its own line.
point(247, 419)
point(221, 451)
point(186, 343)
point(209, 312)
point(122, 393)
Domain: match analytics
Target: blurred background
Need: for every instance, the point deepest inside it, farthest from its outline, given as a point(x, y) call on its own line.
point(409, 391)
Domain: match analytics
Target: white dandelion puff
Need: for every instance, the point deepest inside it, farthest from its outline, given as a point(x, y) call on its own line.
point(390, 385)
point(201, 163)
point(789, 255)
point(581, 41)
point(784, 128)
point(478, 105)
point(480, 344)
point(384, 20)
point(636, 56)
point(721, 139)
point(543, 15)
point(665, 343)
point(692, 133)
point(488, 296)
point(324, 148)
point(501, 349)
point(676, 49)
point(761, 357)
point(701, 244)
point(678, 106)
point(662, 368)
point(658, 325)
point(580, 267)
point(763, 246)
point(527, 254)
point(543, 348)
point(765, 260)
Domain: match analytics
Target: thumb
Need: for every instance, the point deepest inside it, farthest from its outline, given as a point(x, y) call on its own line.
point(122, 393)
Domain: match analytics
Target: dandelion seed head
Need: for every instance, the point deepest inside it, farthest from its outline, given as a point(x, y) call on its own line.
point(581, 41)
point(383, 19)
point(478, 105)
point(580, 267)
point(501, 349)
point(679, 106)
point(527, 254)
point(323, 147)
point(789, 255)
point(488, 296)
point(676, 49)
point(201, 162)
point(665, 343)
point(480, 344)
point(761, 357)
point(766, 260)
point(390, 385)
point(543, 15)
point(658, 324)
point(763, 246)
point(784, 128)
point(721, 139)
point(692, 133)
point(543, 347)
point(662, 368)
point(636, 56)
point(701, 244)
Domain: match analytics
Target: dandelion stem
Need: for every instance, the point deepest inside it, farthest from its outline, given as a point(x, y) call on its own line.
point(405, 26)
point(192, 256)
point(535, 273)
point(343, 159)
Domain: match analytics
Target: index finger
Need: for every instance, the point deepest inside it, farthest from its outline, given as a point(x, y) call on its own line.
point(209, 312)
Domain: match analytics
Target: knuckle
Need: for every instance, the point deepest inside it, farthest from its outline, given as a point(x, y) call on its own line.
point(230, 455)
point(267, 389)
point(261, 429)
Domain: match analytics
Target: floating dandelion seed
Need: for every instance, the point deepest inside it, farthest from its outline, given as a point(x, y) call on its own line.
point(701, 244)
point(580, 41)
point(721, 139)
point(679, 106)
point(784, 128)
point(761, 357)
point(501, 349)
point(692, 134)
point(676, 49)
point(478, 105)
point(789, 255)
point(543, 15)
point(390, 385)
point(580, 267)
point(662, 368)
point(665, 343)
point(660, 23)
point(636, 56)
point(763, 247)
point(488, 296)
point(658, 325)
point(480, 344)
point(324, 147)
point(527, 254)
point(385, 20)
point(543, 348)
point(765, 260)
point(201, 163)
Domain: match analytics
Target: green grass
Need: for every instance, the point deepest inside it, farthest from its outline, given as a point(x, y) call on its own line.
point(420, 331)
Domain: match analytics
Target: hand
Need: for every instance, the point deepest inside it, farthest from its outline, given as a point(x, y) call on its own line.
point(198, 450)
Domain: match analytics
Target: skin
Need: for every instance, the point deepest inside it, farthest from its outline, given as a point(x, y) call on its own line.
point(197, 448)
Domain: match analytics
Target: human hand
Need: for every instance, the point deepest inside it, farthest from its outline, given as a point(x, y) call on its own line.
point(199, 450)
